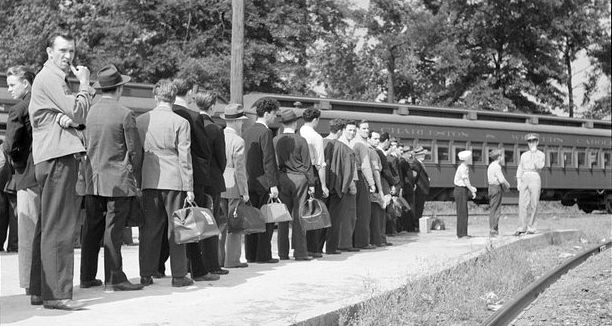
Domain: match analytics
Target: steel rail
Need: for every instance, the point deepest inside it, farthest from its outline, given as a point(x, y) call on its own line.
point(512, 309)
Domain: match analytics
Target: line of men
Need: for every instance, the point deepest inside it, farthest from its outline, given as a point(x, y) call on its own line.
point(69, 153)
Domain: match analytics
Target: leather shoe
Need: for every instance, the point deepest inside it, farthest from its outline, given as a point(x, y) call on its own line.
point(315, 254)
point(91, 283)
point(178, 282)
point(284, 257)
point(66, 304)
point(368, 247)
point(517, 233)
point(269, 261)
point(207, 277)
point(125, 286)
point(303, 258)
point(388, 244)
point(335, 252)
point(158, 275)
point(146, 280)
point(221, 271)
point(36, 300)
point(241, 265)
point(349, 249)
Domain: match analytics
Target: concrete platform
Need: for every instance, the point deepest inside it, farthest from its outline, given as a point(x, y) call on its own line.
point(262, 294)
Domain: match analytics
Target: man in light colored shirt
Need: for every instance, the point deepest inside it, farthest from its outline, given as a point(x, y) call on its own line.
point(529, 184)
point(462, 186)
point(497, 184)
point(56, 149)
point(315, 238)
point(365, 186)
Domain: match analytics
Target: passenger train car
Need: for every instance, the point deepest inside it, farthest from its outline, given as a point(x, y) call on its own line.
point(578, 152)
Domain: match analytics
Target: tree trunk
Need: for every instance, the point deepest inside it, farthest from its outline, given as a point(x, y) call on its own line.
point(570, 87)
point(237, 51)
point(391, 77)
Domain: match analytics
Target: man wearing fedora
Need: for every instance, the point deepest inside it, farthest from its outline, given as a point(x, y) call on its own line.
point(112, 180)
point(421, 191)
point(296, 181)
point(529, 184)
point(237, 189)
point(497, 186)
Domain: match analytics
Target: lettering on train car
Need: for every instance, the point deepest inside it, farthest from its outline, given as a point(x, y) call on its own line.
point(594, 141)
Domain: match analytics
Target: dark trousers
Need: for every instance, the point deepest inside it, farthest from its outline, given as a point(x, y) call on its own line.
point(408, 221)
point(204, 255)
point(105, 219)
point(346, 210)
point(158, 207)
point(293, 192)
point(495, 199)
point(461, 199)
point(53, 246)
point(258, 246)
point(8, 221)
point(361, 237)
point(315, 239)
point(377, 217)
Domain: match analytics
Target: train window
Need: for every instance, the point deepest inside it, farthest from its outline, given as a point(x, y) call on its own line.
point(592, 157)
point(553, 158)
point(568, 158)
point(606, 156)
point(509, 156)
point(477, 153)
point(442, 154)
point(581, 158)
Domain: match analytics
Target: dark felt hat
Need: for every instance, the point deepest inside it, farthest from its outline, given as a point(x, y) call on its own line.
point(109, 77)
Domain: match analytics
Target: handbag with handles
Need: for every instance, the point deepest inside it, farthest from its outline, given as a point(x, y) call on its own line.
point(192, 224)
point(246, 219)
point(314, 215)
point(275, 211)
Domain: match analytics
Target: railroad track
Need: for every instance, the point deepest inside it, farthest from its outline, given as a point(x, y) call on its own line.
point(513, 308)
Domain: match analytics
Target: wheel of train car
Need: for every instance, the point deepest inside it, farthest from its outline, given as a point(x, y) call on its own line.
point(587, 209)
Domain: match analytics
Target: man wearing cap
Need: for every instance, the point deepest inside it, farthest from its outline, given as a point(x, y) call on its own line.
point(56, 150)
point(296, 181)
point(497, 186)
point(421, 191)
point(529, 184)
point(112, 180)
point(262, 172)
point(462, 188)
point(236, 185)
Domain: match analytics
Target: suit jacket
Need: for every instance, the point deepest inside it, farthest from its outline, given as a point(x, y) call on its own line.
point(261, 166)
point(19, 144)
point(422, 178)
point(216, 143)
point(114, 151)
point(235, 170)
point(166, 141)
point(341, 166)
point(200, 150)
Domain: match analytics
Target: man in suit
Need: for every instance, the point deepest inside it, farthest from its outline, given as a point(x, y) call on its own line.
point(112, 179)
point(56, 149)
point(422, 182)
point(167, 179)
point(408, 176)
point(235, 181)
point(262, 172)
point(201, 158)
point(215, 184)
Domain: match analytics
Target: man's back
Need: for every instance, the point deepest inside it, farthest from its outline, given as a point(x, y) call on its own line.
point(216, 144)
point(200, 149)
point(261, 164)
point(114, 150)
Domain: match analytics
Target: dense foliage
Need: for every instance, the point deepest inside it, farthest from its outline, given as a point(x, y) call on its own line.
point(484, 54)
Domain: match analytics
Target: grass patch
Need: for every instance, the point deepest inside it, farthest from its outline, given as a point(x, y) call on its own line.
point(460, 295)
